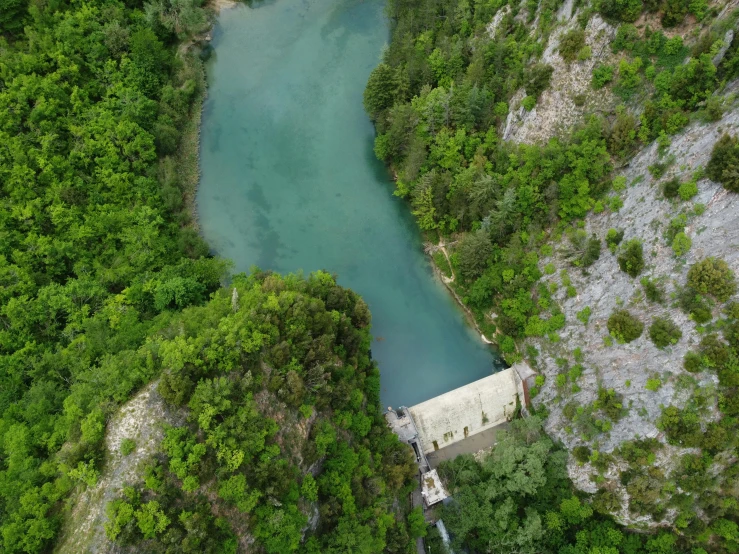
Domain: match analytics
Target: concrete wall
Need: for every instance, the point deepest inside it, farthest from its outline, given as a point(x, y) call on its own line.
point(467, 410)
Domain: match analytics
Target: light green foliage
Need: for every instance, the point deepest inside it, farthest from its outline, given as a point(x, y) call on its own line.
point(681, 244)
point(151, 520)
point(613, 239)
point(688, 190)
point(628, 77)
point(127, 446)
point(416, 523)
point(602, 75)
point(528, 103)
point(653, 384)
point(584, 315)
point(550, 269)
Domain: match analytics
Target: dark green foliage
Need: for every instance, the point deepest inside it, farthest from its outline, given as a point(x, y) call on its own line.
point(611, 403)
point(713, 351)
point(624, 326)
point(670, 188)
point(664, 332)
point(571, 43)
point(631, 259)
point(592, 251)
point(692, 362)
point(674, 12)
point(380, 91)
point(653, 291)
point(696, 305)
point(723, 167)
point(536, 79)
point(474, 251)
point(714, 277)
point(621, 10)
point(622, 134)
point(12, 13)
point(581, 454)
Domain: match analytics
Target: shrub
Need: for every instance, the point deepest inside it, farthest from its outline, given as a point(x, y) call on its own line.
point(674, 12)
point(688, 190)
point(692, 362)
point(712, 276)
point(584, 315)
point(581, 454)
point(671, 188)
point(723, 167)
point(584, 53)
point(610, 402)
point(613, 239)
point(664, 332)
point(682, 426)
point(622, 10)
point(713, 351)
point(592, 252)
point(571, 43)
point(694, 304)
point(127, 446)
point(653, 291)
point(528, 103)
point(631, 260)
point(681, 244)
point(602, 75)
point(624, 326)
point(653, 384)
point(536, 80)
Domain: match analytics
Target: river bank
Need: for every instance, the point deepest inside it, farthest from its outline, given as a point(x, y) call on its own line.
point(289, 183)
point(429, 249)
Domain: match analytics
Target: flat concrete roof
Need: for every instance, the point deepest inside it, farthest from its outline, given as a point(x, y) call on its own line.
point(432, 490)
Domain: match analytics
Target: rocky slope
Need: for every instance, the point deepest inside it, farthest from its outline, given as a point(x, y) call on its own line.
point(713, 226)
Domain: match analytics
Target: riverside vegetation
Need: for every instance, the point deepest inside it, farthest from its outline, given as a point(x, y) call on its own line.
point(105, 286)
point(441, 99)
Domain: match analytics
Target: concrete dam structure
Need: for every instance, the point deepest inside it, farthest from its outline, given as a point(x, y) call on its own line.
point(471, 409)
point(455, 417)
point(463, 412)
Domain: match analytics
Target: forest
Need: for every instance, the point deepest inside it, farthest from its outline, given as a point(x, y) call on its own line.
point(105, 286)
point(105, 282)
point(439, 99)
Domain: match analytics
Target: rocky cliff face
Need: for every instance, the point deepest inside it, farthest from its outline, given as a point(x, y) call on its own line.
point(712, 224)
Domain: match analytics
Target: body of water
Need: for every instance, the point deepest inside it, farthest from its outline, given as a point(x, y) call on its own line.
point(290, 182)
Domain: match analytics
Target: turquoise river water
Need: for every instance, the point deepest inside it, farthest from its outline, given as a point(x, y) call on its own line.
point(289, 182)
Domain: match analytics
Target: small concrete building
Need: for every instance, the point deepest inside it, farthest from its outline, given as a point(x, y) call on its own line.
point(432, 489)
